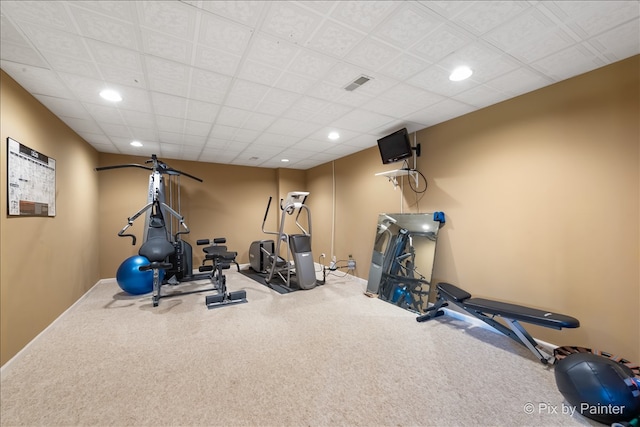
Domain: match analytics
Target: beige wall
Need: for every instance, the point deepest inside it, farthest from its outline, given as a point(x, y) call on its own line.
point(541, 195)
point(46, 264)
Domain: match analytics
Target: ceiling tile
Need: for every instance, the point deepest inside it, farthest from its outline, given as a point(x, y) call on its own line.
point(525, 28)
point(59, 42)
point(220, 34)
point(271, 50)
point(446, 8)
point(442, 111)
point(259, 121)
point(65, 107)
point(210, 80)
point(436, 79)
point(481, 96)
point(51, 14)
point(294, 82)
point(562, 65)
point(364, 16)
point(311, 64)
point(406, 25)
point(106, 54)
point(137, 119)
point(166, 46)
point(487, 15)
point(404, 66)
point(104, 114)
point(372, 54)
point(291, 22)
point(216, 60)
point(169, 105)
point(589, 18)
point(194, 128)
point(441, 43)
point(334, 39)
point(230, 116)
point(168, 17)
point(520, 81)
point(135, 99)
point(293, 128)
point(244, 12)
point(618, 43)
point(545, 45)
point(361, 121)
point(259, 73)
point(202, 111)
point(114, 9)
point(21, 54)
point(143, 134)
point(104, 28)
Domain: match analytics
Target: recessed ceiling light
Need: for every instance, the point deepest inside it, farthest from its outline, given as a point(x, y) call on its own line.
point(334, 135)
point(284, 160)
point(460, 73)
point(136, 143)
point(111, 95)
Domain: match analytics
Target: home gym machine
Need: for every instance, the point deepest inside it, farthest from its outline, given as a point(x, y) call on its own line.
point(167, 193)
point(165, 249)
point(297, 269)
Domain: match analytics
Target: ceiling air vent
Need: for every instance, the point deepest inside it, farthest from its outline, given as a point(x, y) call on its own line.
point(357, 83)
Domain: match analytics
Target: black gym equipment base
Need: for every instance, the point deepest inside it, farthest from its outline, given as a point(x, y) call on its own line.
point(262, 279)
point(276, 285)
point(486, 310)
point(225, 299)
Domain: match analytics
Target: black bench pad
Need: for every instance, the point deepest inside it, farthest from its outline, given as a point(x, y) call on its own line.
point(507, 310)
point(452, 292)
point(522, 313)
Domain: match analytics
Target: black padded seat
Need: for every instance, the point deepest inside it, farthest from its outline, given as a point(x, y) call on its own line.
point(452, 292)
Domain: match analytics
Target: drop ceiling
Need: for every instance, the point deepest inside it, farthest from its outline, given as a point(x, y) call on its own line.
point(252, 83)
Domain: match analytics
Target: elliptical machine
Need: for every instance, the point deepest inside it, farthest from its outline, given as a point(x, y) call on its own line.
point(296, 269)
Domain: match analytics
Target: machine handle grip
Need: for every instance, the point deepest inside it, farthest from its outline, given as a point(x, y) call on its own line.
point(122, 233)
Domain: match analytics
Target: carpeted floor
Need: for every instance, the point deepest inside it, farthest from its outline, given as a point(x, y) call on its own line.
point(329, 356)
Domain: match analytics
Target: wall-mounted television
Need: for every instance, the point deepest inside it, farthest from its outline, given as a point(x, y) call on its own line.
point(395, 147)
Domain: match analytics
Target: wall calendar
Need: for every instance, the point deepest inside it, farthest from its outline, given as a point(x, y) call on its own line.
point(31, 181)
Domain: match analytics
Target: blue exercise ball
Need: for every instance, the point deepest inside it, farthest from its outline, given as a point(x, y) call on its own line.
point(132, 280)
point(598, 387)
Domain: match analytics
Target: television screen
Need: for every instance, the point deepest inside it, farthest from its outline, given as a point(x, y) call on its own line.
point(395, 147)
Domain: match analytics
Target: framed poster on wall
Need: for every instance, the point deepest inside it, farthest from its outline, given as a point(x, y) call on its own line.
point(31, 181)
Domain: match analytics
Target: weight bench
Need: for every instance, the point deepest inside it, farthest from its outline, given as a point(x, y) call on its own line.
point(486, 310)
point(221, 259)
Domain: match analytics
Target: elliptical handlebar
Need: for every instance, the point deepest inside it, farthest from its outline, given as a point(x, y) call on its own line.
point(264, 220)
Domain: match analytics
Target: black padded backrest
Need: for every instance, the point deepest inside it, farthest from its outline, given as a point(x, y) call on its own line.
point(157, 247)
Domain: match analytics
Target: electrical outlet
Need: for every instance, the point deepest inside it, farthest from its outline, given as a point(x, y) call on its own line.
point(351, 263)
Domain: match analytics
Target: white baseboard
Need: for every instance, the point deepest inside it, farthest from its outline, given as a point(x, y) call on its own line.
point(19, 354)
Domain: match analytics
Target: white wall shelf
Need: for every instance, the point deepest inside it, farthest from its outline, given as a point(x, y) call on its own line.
point(393, 175)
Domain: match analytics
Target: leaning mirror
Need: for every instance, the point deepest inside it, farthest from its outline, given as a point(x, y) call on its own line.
point(402, 260)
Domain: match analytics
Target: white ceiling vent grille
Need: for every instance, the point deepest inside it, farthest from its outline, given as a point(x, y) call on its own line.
point(357, 83)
